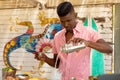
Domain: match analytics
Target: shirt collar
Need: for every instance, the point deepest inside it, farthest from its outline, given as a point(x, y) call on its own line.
point(78, 26)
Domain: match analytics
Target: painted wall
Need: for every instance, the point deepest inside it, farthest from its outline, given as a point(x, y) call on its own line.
point(20, 57)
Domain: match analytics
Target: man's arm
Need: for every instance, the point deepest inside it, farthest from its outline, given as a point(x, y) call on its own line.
point(100, 45)
point(50, 61)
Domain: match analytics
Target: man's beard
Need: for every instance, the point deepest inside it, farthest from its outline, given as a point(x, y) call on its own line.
point(69, 29)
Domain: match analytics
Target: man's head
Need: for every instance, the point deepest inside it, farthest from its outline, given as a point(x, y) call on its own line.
point(67, 15)
point(64, 8)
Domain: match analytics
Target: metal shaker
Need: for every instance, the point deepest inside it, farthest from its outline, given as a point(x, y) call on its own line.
point(72, 78)
point(68, 48)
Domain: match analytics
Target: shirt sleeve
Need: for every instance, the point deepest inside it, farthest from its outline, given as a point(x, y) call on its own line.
point(54, 50)
point(95, 35)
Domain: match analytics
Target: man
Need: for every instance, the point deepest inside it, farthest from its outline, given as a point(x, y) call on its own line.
point(77, 63)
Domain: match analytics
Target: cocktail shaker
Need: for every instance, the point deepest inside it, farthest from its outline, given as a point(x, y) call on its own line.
point(68, 48)
point(72, 78)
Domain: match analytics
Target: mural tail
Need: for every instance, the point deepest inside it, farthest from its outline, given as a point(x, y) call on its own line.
point(9, 47)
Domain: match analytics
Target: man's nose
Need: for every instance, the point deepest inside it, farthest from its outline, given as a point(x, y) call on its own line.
point(66, 23)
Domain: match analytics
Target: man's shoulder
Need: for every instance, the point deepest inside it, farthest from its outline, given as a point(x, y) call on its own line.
point(60, 33)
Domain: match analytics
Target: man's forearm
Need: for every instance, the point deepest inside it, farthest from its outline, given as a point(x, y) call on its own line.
point(100, 47)
point(50, 61)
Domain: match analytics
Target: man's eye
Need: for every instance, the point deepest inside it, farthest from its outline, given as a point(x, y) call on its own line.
point(68, 20)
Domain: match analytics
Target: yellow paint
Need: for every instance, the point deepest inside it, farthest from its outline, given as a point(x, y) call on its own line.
point(46, 20)
point(5, 55)
point(6, 50)
point(12, 43)
point(8, 46)
point(28, 73)
point(35, 78)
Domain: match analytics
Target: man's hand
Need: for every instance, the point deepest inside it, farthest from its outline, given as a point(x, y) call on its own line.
point(40, 56)
point(75, 41)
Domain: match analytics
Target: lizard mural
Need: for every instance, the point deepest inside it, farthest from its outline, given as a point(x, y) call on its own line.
point(26, 40)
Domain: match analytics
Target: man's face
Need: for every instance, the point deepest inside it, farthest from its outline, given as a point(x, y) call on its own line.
point(68, 21)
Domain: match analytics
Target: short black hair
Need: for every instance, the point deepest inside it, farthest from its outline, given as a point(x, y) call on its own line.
point(64, 8)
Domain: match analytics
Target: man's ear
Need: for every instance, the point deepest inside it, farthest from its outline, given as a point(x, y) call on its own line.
point(75, 14)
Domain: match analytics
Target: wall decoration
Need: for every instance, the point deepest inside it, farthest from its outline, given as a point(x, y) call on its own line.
point(13, 22)
point(26, 41)
point(46, 20)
